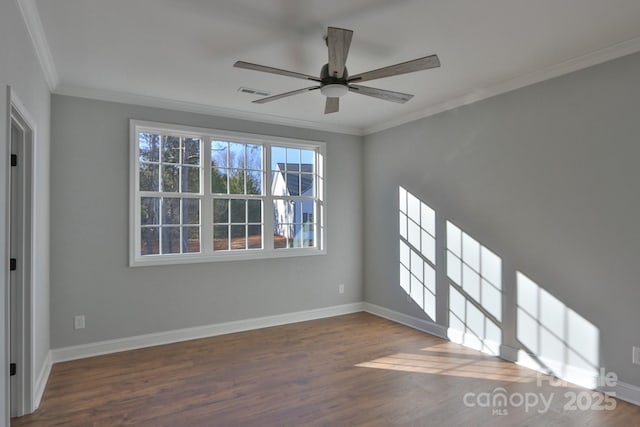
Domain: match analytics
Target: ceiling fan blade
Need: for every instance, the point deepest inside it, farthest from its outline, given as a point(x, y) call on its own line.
point(338, 42)
point(387, 95)
point(284, 95)
point(332, 105)
point(394, 70)
point(264, 68)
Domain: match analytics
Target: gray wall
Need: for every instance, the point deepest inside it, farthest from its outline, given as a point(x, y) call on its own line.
point(546, 177)
point(19, 68)
point(89, 238)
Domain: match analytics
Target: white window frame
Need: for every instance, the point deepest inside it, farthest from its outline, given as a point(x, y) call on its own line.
point(206, 215)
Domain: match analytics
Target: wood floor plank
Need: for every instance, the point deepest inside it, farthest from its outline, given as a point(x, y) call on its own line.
point(356, 369)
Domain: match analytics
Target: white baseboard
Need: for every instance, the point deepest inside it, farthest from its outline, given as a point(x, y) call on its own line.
point(627, 392)
point(623, 391)
point(41, 381)
point(178, 335)
point(404, 319)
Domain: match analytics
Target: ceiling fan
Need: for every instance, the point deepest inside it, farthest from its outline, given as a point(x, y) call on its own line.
point(335, 81)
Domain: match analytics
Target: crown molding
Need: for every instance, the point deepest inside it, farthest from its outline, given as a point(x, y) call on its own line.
point(32, 20)
point(597, 57)
point(192, 107)
point(33, 23)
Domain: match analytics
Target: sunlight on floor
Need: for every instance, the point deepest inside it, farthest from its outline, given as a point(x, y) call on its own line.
point(453, 361)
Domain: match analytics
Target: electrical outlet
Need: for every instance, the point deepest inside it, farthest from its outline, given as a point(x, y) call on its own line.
point(78, 322)
point(636, 355)
point(341, 288)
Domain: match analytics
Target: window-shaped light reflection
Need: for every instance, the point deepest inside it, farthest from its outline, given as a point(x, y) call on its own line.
point(475, 270)
point(557, 338)
point(417, 251)
point(475, 292)
point(470, 326)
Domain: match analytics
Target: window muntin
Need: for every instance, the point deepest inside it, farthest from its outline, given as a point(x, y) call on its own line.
point(204, 195)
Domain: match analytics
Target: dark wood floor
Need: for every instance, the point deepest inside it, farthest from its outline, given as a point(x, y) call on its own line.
point(348, 370)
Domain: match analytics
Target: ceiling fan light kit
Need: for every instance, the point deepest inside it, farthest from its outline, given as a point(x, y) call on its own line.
point(334, 81)
point(334, 90)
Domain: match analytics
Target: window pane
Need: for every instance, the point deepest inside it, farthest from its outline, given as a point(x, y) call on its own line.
point(283, 232)
point(277, 158)
point(236, 155)
point(238, 237)
point(238, 213)
point(220, 211)
point(293, 184)
point(149, 210)
point(171, 149)
point(149, 177)
point(254, 182)
point(170, 178)
point(282, 213)
point(236, 181)
point(279, 241)
point(297, 237)
point(308, 235)
point(307, 211)
point(254, 236)
point(219, 181)
point(149, 241)
point(293, 155)
point(191, 151)
point(170, 240)
point(171, 211)
point(254, 210)
point(190, 239)
point(219, 154)
point(306, 185)
point(220, 238)
point(254, 157)
point(190, 179)
point(307, 157)
point(149, 145)
point(279, 184)
point(190, 211)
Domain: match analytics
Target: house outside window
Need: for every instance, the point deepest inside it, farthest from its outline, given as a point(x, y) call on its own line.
point(201, 195)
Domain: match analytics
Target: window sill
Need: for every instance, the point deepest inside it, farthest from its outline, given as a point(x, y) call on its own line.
point(151, 260)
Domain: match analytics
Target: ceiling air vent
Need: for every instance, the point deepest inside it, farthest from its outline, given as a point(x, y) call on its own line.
point(253, 91)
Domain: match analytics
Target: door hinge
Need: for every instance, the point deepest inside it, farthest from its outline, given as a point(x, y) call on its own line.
point(14, 160)
point(12, 369)
point(13, 264)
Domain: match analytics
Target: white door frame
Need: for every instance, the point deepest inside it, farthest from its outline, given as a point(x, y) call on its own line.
point(19, 288)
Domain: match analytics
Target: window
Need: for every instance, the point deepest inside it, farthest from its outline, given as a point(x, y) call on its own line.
point(202, 195)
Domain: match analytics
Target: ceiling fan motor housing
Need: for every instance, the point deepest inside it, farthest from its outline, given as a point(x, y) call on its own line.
point(326, 79)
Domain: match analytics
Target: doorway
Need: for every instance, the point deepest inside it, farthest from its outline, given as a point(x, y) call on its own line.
point(21, 144)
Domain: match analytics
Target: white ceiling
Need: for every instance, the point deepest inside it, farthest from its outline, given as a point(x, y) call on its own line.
point(181, 52)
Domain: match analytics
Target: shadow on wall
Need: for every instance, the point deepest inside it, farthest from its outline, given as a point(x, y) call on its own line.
point(552, 337)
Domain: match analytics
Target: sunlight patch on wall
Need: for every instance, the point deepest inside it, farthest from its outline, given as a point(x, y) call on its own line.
point(417, 251)
point(556, 338)
point(475, 292)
